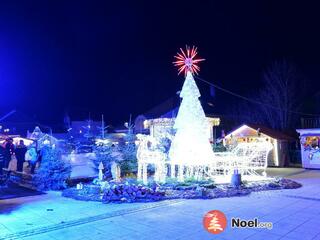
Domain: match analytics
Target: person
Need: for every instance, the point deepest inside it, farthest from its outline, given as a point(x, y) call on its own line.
point(12, 164)
point(20, 152)
point(1, 159)
point(8, 151)
point(32, 156)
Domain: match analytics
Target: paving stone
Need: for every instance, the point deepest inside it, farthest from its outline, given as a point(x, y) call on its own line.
point(294, 213)
point(264, 236)
point(298, 235)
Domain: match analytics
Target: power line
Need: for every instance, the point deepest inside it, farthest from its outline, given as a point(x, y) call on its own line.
point(253, 100)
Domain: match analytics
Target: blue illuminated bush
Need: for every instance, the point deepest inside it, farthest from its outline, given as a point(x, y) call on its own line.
point(53, 171)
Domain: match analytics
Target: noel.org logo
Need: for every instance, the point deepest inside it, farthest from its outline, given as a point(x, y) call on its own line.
point(216, 222)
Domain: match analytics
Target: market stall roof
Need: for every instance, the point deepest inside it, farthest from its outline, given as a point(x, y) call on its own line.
point(309, 132)
point(16, 139)
point(264, 130)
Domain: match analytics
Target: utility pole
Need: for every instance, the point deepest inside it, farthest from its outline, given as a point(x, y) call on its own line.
point(129, 125)
point(102, 127)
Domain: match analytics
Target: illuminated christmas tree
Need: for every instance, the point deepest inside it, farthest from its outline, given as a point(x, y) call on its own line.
point(190, 147)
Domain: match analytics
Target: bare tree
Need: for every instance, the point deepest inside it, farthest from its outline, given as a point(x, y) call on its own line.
point(281, 95)
point(246, 112)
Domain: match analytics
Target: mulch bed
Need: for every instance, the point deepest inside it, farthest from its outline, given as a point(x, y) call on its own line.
point(125, 192)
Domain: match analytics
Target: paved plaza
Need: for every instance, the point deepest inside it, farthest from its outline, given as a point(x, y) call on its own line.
point(295, 214)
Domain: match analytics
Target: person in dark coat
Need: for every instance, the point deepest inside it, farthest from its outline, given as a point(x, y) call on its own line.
point(20, 151)
point(1, 159)
point(8, 151)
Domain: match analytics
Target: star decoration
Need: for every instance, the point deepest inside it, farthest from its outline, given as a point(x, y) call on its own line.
point(187, 61)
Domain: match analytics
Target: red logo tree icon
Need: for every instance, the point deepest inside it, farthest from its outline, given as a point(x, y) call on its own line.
point(215, 221)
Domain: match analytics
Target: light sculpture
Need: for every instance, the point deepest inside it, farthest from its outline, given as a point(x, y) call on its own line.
point(190, 148)
point(148, 154)
point(190, 154)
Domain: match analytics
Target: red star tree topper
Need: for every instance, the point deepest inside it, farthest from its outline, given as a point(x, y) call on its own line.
point(187, 60)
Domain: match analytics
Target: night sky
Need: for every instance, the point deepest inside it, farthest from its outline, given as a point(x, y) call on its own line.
point(115, 57)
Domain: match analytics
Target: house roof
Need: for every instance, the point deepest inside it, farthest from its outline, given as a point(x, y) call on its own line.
point(264, 130)
point(309, 132)
point(170, 108)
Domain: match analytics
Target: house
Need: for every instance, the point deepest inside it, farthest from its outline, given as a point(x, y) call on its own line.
point(36, 134)
point(41, 138)
point(310, 147)
point(166, 109)
point(279, 156)
point(160, 119)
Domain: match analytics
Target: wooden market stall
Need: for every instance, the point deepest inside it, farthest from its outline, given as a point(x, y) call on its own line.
point(310, 147)
point(279, 156)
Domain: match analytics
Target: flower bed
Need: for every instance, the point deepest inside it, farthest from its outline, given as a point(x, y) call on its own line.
point(122, 192)
point(116, 192)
